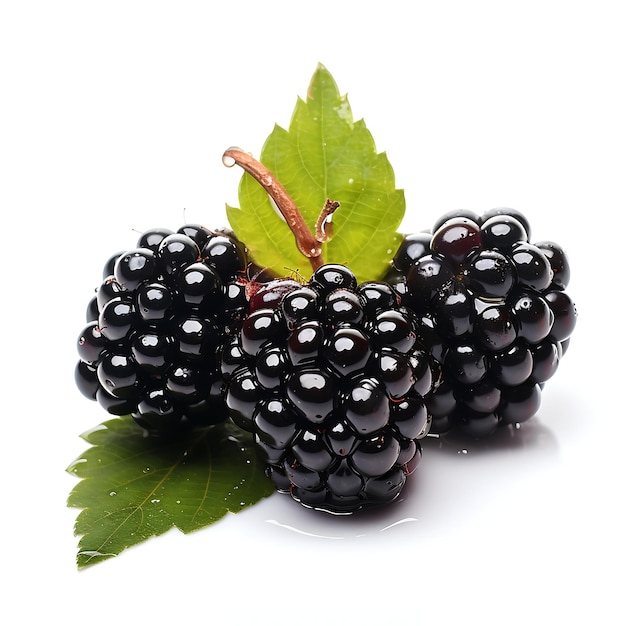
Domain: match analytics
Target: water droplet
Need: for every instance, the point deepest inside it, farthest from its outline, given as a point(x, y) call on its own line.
point(113, 493)
point(228, 161)
point(267, 180)
point(463, 451)
point(177, 501)
point(94, 553)
point(155, 501)
point(146, 470)
point(344, 112)
point(350, 181)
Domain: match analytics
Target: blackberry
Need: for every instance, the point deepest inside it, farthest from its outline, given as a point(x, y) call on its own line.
point(493, 308)
point(332, 381)
point(155, 325)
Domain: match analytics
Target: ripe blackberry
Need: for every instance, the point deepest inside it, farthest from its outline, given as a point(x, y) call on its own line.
point(494, 311)
point(155, 324)
point(330, 378)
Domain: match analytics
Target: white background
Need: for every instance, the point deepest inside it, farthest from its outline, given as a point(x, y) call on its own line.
point(113, 119)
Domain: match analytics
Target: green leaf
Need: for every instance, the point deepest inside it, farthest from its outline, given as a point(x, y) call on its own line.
point(323, 155)
point(135, 487)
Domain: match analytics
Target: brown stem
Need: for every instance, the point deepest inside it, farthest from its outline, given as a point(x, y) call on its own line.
point(323, 226)
point(305, 241)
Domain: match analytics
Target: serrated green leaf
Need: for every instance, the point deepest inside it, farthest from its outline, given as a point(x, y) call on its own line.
point(134, 487)
point(323, 155)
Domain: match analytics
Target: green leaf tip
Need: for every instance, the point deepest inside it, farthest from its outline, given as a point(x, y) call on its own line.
point(134, 486)
point(323, 155)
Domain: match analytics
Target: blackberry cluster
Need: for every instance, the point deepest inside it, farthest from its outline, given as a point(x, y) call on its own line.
point(155, 324)
point(495, 311)
point(331, 379)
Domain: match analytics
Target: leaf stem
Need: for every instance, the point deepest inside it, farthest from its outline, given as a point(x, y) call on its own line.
point(307, 244)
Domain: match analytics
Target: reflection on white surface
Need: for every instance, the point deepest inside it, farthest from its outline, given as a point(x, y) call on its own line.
point(406, 520)
point(453, 479)
point(299, 531)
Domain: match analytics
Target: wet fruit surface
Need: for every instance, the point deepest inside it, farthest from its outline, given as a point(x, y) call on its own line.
point(340, 416)
point(155, 326)
point(492, 307)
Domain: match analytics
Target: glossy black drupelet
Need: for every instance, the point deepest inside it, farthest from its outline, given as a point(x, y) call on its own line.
point(155, 325)
point(496, 311)
point(331, 379)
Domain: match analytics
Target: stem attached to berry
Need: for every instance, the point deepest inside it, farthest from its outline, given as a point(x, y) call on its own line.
point(307, 244)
